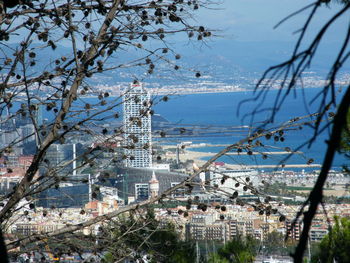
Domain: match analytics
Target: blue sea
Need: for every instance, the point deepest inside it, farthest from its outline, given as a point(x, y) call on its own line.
point(225, 111)
point(221, 110)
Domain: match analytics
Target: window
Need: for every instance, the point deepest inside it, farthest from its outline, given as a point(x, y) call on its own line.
point(141, 191)
point(179, 192)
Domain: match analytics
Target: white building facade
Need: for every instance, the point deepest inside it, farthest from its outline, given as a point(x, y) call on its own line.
point(137, 127)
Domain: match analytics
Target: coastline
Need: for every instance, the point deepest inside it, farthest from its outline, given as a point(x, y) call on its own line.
point(197, 157)
point(171, 92)
point(184, 91)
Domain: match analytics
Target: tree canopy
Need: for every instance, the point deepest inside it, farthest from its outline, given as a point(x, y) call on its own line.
point(335, 246)
point(237, 250)
point(136, 237)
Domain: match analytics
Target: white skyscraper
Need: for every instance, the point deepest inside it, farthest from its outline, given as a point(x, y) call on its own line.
point(137, 127)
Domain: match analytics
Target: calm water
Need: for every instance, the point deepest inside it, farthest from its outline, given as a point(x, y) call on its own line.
point(220, 109)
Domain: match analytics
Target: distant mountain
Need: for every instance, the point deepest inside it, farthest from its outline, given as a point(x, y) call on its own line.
point(256, 56)
point(226, 61)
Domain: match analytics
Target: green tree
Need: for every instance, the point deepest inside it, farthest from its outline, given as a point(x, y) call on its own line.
point(139, 237)
point(216, 258)
point(345, 142)
point(238, 250)
point(274, 243)
point(335, 246)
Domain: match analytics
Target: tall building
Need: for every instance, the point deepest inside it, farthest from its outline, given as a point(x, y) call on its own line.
point(137, 127)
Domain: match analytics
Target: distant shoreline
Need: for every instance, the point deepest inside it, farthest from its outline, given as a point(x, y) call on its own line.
point(171, 92)
point(197, 157)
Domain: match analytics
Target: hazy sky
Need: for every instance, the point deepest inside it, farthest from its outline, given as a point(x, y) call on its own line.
point(253, 20)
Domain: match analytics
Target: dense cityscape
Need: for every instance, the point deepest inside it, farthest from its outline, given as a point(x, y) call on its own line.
point(225, 202)
point(174, 131)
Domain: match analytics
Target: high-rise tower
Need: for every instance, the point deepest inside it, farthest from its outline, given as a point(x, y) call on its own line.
point(137, 127)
